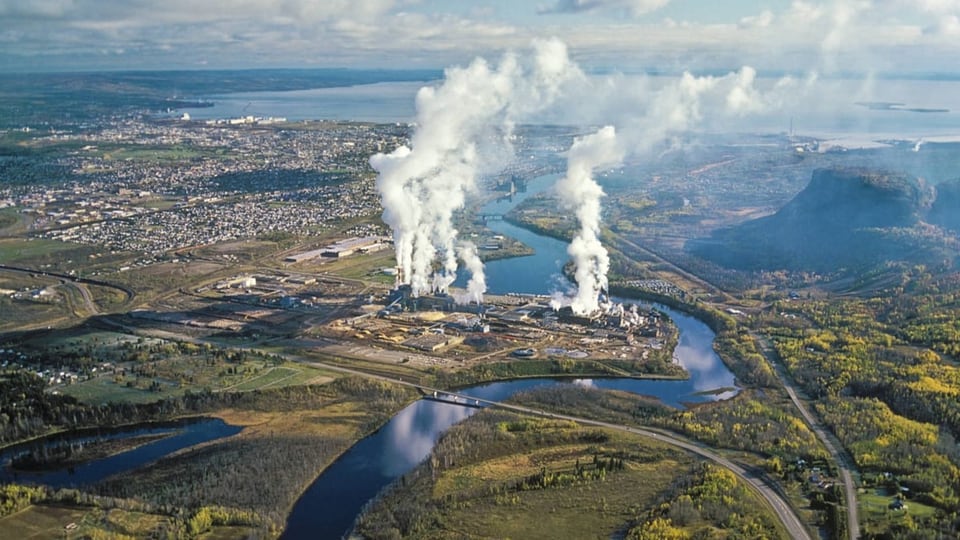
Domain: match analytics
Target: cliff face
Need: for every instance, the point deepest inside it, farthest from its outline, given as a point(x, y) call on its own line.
point(945, 210)
point(844, 200)
point(844, 218)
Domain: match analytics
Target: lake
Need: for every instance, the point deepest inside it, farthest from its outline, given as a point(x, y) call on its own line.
point(849, 109)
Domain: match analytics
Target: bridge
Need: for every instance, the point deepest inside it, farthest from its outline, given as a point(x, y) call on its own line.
point(455, 399)
point(759, 481)
point(489, 217)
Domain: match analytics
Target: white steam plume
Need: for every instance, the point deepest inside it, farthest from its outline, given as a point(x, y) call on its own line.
point(651, 118)
point(578, 191)
point(478, 282)
point(463, 127)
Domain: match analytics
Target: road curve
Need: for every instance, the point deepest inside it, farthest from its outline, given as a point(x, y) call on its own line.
point(781, 508)
point(125, 290)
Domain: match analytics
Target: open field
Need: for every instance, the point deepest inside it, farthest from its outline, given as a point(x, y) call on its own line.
point(177, 376)
point(9, 217)
point(367, 267)
point(878, 505)
point(156, 153)
point(33, 252)
point(53, 522)
point(42, 522)
point(499, 475)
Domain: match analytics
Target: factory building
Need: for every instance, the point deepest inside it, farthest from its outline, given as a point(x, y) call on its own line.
point(339, 249)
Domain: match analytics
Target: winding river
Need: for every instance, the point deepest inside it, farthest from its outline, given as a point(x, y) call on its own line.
point(328, 508)
point(177, 435)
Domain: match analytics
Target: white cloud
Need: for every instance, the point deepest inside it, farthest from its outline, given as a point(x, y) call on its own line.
point(947, 26)
point(808, 34)
point(635, 7)
point(762, 20)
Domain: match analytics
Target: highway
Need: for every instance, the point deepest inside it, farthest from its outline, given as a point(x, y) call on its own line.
point(774, 499)
point(840, 456)
point(125, 290)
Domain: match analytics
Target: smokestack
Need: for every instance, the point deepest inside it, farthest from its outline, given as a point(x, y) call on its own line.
point(463, 128)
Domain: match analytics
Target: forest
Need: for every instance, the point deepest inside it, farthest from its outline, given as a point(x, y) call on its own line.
point(883, 370)
point(291, 434)
point(496, 473)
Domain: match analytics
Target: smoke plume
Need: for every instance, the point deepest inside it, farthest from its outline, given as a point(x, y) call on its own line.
point(578, 191)
point(463, 128)
point(478, 283)
point(654, 116)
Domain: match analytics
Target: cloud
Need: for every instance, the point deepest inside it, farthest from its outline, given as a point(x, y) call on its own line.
point(941, 7)
point(635, 7)
point(947, 26)
point(762, 20)
point(831, 35)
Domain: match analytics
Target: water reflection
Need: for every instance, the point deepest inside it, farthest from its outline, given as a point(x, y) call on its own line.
point(412, 433)
point(696, 354)
point(328, 507)
point(183, 435)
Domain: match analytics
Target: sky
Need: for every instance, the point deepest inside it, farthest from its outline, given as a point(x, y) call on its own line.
point(877, 36)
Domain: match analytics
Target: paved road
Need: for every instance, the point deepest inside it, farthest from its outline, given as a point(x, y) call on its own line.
point(87, 298)
point(840, 456)
point(766, 490)
point(782, 509)
point(125, 290)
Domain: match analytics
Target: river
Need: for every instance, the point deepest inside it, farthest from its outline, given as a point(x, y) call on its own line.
point(181, 434)
point(328, 508)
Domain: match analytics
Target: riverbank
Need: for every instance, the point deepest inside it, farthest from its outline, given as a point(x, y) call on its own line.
point(503, 475)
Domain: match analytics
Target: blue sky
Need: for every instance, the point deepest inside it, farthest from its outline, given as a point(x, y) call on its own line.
point(793, 35)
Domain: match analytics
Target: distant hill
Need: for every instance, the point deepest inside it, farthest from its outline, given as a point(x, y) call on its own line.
point(945, 210)
point(843, 219)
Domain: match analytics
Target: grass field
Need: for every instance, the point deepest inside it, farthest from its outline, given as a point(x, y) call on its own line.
point(42, 522)
point(20, 314)
point(38, 250)
point(365, 267)
point(590, 510)
point(106, 389)
point(875, 510)
point(157, 153)
point(8, 217)
point(587, 509)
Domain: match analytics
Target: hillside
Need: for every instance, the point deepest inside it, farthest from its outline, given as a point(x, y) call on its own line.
point(945, 210)
point(844, 219)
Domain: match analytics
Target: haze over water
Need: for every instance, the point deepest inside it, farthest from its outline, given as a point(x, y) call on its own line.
point(829, 110)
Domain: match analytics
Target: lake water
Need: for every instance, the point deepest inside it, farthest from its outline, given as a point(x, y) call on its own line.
point(825, 108)
point(380, 102)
